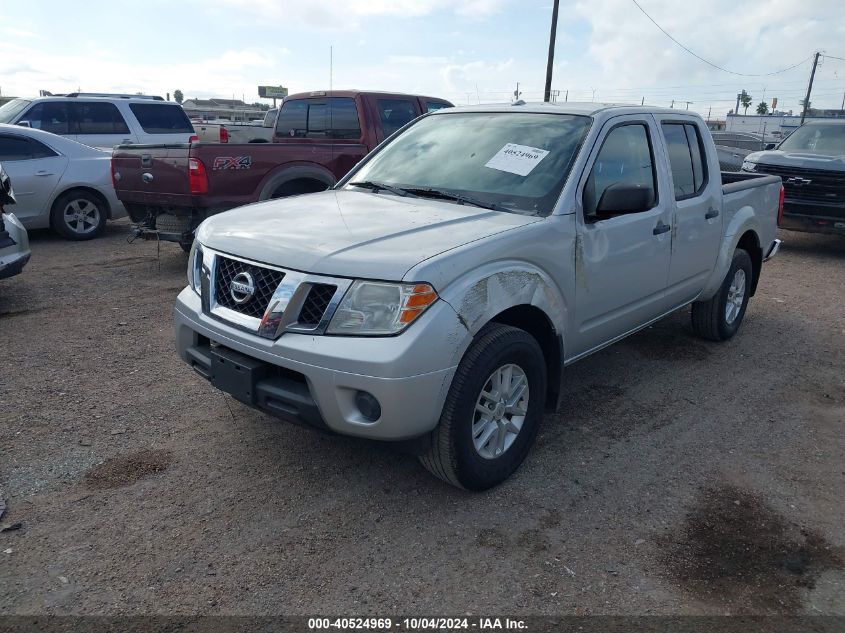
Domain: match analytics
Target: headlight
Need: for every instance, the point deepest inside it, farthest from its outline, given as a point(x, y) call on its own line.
point(748, 165)
point(195, 267)
point(372, 308)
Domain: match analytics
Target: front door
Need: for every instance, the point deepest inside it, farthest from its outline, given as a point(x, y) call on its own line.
point(622, 261)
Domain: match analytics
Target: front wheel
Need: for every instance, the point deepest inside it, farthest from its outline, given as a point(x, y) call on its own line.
point(492, 412)
point(719, 318)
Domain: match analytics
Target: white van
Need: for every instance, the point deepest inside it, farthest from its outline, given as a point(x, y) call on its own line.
point(102, 120)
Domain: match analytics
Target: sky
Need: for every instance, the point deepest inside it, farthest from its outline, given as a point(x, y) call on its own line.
point(467, 51)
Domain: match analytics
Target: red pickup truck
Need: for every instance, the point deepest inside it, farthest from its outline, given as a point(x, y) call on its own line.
point(168, 190)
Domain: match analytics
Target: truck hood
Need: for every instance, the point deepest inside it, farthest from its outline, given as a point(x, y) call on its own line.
point(350, 233)
point(804, 160)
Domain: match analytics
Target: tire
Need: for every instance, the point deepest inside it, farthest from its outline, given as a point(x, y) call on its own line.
point(453, 455)
point(719, 318)
point(79, 215)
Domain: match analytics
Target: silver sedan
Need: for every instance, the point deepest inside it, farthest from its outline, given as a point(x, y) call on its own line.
point(59, 183)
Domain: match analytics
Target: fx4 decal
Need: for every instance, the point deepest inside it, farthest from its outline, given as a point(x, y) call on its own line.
point(232, 162)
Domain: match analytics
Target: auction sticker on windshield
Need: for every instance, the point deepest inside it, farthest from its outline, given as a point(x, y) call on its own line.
point(517, 159)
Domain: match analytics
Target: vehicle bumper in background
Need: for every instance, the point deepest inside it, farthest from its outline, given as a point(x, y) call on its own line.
point(15, 256)
point(773, 250)
point(9, 267)
point(314, 380)
point(814, 223)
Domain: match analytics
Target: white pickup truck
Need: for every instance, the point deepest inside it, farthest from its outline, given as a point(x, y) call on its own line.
point(435, 296)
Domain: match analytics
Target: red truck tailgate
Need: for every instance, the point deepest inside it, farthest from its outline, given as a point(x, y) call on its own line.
point(152, 174)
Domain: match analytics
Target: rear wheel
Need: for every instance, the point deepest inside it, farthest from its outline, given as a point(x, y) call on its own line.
point(719, 318)
point(78, 215)
point(492, 412)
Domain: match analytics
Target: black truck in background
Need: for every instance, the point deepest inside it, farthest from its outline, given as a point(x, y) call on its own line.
point(811, 164)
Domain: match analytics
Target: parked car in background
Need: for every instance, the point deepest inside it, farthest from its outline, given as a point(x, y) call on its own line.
point(59, 183)
point(102, 121)
point(237, 132)
point(14, 242)
point(436, 294)
point(811, 163)
point(319, 136)
point(741, 140)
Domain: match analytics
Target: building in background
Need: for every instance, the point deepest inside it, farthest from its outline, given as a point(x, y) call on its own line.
point(227, 109)
point(774, 126)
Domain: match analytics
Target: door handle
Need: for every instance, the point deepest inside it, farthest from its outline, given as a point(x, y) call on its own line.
point(662, 228)
point(43, 173)
point(712, 213)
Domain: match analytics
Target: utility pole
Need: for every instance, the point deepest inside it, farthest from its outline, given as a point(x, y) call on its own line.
point(688, 103)
point(810, 88)
point(736, 109)
point(709, 110)
point(567, 96)
point(673, 104)
point(841, 108)
point(642, 101)
point(550, 63)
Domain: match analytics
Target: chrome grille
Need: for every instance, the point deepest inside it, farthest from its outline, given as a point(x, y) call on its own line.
point(315, 304)
point(266, 281)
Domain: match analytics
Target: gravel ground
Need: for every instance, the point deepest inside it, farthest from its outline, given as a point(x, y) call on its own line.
point(680, 477)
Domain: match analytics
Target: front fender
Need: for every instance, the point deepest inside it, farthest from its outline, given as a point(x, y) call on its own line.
point(481, 294)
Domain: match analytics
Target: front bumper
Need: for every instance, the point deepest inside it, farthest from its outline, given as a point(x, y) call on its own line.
point(313, 380)
point(820, 223)
point(9, 267)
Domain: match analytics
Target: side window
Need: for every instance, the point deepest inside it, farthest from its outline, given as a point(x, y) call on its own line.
point(432, 106)
point(686, 157)
point(394, 113)
point(292, 119)
point(39, 150)
point(699, 158)
point(15, 148)
point(161, 118)
point(50, 117)
point(625, 158)
point(99, 118)
point(343, 118)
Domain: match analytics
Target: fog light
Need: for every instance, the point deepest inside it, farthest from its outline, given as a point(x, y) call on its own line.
point(368, 405)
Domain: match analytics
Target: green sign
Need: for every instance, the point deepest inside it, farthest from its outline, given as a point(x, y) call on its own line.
point(272, 92)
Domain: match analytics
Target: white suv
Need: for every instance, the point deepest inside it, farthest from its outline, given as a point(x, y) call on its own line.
point(102, 120)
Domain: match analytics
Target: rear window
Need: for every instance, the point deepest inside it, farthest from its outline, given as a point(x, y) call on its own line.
point(336, 117)
point(162, 118)
point(686, 158)
point(99, 118)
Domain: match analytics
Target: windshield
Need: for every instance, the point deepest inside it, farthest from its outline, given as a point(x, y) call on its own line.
point(513, 161)
point(817, 137)
point(12, 109)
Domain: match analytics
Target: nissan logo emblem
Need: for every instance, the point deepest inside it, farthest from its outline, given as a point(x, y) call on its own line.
point(241, 288)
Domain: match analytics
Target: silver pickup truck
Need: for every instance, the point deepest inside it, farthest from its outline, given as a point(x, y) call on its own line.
point(434, 297)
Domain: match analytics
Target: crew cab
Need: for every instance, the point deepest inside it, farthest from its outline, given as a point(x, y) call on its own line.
point(169, 189)
point(436, 294)
point(811, 163)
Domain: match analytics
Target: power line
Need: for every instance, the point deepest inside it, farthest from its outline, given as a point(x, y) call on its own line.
point(709, 63)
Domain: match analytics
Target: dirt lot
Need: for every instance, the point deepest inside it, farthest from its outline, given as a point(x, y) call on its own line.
point(679, 476)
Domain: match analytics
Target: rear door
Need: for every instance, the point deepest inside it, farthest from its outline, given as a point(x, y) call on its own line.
point(622, 261)
point(161, 122)
point(35, 171)
point(100, 124)
point(697, 198)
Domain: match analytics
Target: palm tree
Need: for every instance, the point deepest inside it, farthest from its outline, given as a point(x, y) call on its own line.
point(745, 100)
point(762, 108)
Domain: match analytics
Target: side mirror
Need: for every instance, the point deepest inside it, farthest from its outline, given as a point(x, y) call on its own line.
point(770, 146)
point(24, 123)
point(622, 197)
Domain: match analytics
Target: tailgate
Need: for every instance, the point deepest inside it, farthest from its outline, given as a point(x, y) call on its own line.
point(152, 174)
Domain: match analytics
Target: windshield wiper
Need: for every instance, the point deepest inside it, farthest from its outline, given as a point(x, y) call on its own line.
point(375, 187)
point(457, 197)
